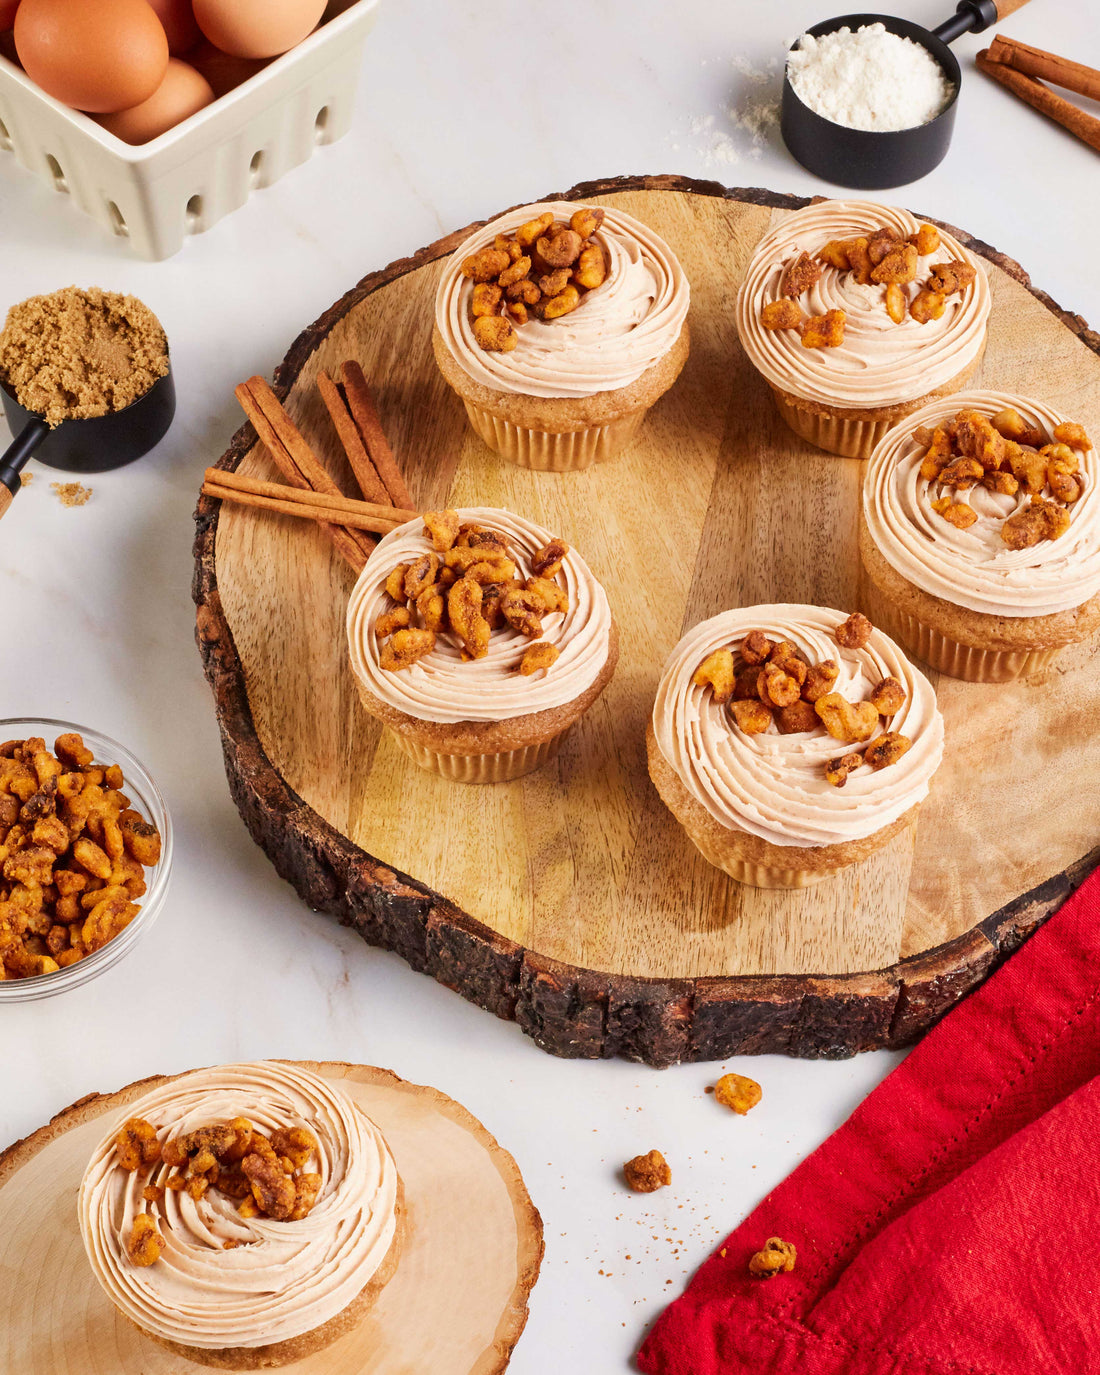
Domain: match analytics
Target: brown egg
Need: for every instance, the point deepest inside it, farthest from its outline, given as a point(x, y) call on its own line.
point(97, 55)
point(257, 28)
point(182, 92)
point(222, 71)
point(178, 19)
point(7, 13)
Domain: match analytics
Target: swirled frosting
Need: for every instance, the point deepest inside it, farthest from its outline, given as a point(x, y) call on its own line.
point(774, 785)
point(974, 568)
point(619, 329)
point(880, 363)
point(441, 686)
point(283, 1278)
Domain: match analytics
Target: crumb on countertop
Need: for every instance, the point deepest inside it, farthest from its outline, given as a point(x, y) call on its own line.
point(72, 493)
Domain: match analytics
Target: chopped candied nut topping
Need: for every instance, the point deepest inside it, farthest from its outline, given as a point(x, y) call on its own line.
point(855, 632)
point(543, 270)
point(781, 314)
point(888, 697)
point(850, 722)
point(736, 1092)
point(886, 750)
point(800, 276)
point(73, 854)
point(144, 1244)
point(884, 259)
point(467, 588)
point(837, 770)
point(647, 1173)
point(777, 1257)
point(823, 331)
point(716, 672)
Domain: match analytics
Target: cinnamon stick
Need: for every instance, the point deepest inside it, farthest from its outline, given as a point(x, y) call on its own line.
point(288, 451)
point(370, 484)
point(1021, 57)
point(334, 515)
point(361, 405)
point(1042, 98)
point(241, 482)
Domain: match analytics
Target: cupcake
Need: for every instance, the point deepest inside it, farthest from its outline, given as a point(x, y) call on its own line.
point(478, 639)
point(791, 741)
point(856, 315)
point(559, 326)
point(980, 535)
point(204, 1241)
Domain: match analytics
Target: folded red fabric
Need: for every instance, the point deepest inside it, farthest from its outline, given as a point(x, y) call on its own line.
point(950, 1226)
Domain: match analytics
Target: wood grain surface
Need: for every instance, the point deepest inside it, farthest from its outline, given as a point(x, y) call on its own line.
point(455, 1306)
point(571, 900)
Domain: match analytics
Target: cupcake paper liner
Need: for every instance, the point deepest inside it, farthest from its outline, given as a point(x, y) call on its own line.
point(479, 768)
point(836, 435)
point(568, 452)
point(726, 856)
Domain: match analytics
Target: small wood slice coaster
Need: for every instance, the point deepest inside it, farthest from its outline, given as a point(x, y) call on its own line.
point(571, 901)
point(455, 1306)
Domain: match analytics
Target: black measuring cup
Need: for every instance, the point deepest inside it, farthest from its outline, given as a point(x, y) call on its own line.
point(866, 158)
point(91, 445)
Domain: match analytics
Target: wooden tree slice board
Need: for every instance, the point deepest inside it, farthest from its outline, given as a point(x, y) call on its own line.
point(455, 1306)
point(571, 901)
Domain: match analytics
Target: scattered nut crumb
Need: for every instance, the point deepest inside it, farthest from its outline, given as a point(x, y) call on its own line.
point(647, 1173)
point(776, 1257)
point(737, 1092)
point(72, 493)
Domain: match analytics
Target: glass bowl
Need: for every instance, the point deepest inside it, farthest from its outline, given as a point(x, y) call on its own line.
point(146, 798)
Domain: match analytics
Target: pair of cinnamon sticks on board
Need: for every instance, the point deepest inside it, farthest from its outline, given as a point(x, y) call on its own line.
point(1023, 69)
point(309, 490)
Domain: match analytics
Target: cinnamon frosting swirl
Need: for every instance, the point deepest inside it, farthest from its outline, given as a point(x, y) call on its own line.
point(618, 331)
point(974, 568)
point(774, 785)
point(442, 686)
point(880, 363)
point(282, 1279)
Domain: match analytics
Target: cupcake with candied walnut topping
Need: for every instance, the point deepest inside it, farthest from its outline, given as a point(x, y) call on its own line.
point(856, 314)
point(478, 639)
point(980, 535)
point(559, 326)
point(791, 741)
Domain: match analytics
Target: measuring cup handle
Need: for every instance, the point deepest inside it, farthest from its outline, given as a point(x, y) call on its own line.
point(16, 458)
point(974, 16)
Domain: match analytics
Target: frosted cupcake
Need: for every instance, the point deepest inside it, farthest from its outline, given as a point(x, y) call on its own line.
point(980, 535)
point(202, 1238)
point(559, 326)
point(857, 314)
point(791, 741)
point(478, 639)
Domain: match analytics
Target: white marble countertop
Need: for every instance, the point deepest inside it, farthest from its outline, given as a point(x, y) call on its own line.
point(464, 108)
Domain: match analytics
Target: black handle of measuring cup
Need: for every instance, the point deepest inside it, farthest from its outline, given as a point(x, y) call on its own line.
point(971, 16)
point(19, 453)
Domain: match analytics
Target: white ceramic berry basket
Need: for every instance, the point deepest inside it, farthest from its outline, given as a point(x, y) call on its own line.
point(156, 194)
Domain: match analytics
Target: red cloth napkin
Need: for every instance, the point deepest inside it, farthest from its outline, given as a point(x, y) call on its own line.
point(952, 1225)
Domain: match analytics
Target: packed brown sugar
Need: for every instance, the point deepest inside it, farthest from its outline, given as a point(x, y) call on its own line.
point(79, 353)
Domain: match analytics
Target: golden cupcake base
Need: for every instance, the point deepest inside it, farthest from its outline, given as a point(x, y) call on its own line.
point(479, 768)
point(544, 452)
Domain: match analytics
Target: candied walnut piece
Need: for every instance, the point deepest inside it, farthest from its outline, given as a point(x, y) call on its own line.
point(532, 230)
point(1072, 434)
point(1028, 466)
point(272, 1188)
point(1062, 485)
point(431, 607)
point(755, 647)
point(926, 305)
point(777, 1257)
point(835, 254)
point(781, 315)
point(881, 243)
point(1038, 521)
point(495, 334)
point(820, 678)
point(747, 684)
point(716, 672)
point(486, 300)
point(898, 266)
point(1002, 483)
point(784, 654)
point(485, 265)
point(421, 574)
point(545, 595)
point(538, 656)
point(962, 473)
point(562, 250)
point(591, 269)
point(553, 283)
point(947, 278)
point(136, 1144)
point(799, 716)
point(72, 751)
point(586, 221)
point(888, 697)
point(395, 582)
point(779, 688)
point(859, 259)
point(1009, 423)
point(837, 770)
point(442, 527)
point(895, 303)
point(517, 611)
point(404, 648)
point(389, 621)
point(144, 1244)
point(563, 304)
point(546, 562)
point(926, 239)
point(467, 622)
point(823, 331)
point(306, 1187)
point(960, 514)
point(850, 722)
point(647, 1173)
point(800, 276)
point(855, 632)
point(753, 717)
point(141, 838)
point(886, 750)
point(736, 1092)
point(297, 1143)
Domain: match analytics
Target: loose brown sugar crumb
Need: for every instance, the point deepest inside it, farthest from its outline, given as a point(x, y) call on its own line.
point(81, 353)
point(26, 479)
point(72, 493)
